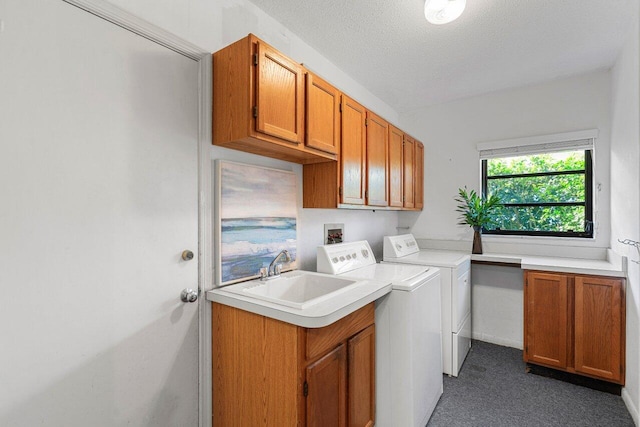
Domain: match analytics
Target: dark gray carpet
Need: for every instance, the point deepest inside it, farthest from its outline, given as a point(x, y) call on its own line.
point(494, 390)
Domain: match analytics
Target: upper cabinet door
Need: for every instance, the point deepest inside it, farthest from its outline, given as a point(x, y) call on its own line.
point(323, 115)
point(409, 171)
point(377, 155)
point(419, 176)
point(396, 137)
point(353, 152)
point(279, 95)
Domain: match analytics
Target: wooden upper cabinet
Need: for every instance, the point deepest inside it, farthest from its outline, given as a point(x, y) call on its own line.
point(279, 95)
point(419, 176)
point(546, 316)
point(322, 115)
point(599, 327)
point(353, 152)
point(395, 168)
point(377, 158)
point(259, 103)
point(409, 175)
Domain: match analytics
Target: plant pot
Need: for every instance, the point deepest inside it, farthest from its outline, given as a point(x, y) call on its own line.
point(477, 241)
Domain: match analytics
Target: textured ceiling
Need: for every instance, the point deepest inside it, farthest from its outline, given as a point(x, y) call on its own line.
point(389, 47)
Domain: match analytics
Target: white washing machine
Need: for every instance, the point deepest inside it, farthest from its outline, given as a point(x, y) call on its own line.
point(408, 337)
point(456, 293)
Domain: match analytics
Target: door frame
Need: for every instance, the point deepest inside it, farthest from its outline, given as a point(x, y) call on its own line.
point(130, 22)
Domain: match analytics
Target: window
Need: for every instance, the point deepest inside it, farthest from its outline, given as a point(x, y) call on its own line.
point(545, 189)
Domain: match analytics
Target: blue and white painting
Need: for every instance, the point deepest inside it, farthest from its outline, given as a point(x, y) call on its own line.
point(258, 213)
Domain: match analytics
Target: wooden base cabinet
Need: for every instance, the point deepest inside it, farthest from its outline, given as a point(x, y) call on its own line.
point(270, 373)
point(575, 323)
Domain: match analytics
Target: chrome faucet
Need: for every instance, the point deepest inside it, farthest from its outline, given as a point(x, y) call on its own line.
point(274, 269)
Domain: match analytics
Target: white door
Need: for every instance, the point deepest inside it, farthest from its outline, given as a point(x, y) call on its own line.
point(98, 198)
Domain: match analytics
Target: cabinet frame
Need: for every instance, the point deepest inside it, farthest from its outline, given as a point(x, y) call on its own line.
point(240, 102)
point(592, 340)
point(263, 368)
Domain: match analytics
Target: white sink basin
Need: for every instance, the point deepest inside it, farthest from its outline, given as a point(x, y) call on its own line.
point(297, 289)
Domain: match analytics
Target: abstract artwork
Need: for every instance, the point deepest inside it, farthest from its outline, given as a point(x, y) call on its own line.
point(257, 215)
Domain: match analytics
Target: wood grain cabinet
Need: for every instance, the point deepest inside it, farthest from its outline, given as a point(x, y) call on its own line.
point(408, 167)
point(270, 373)
point(575, 323)
point(376, 160)
point(267, 104)
point(378, 166)
point(396, 167)
point(322, 115)
point(259, 103)
point(418, 175)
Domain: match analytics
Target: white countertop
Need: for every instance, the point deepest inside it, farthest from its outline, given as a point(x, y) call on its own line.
point(317, 316)
point(614, 266)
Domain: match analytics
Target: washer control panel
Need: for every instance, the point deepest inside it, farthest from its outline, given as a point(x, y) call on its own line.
point(399, 246)
point(344, 257)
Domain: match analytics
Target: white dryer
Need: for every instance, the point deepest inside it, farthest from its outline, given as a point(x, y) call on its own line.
point(456, 293)
point(408, 337)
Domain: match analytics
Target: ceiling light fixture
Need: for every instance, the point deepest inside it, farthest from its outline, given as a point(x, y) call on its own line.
point(443, 11)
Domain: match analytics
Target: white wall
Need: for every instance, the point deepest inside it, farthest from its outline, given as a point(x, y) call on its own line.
point(625, 196)
point(497, 312)
point(451, 131)
point(215, 24)
point(359, 225)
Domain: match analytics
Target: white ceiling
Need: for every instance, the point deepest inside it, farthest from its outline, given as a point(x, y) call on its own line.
point(389, 47)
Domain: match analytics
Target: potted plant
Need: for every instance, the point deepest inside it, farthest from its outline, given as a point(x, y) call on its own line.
point(477, 212)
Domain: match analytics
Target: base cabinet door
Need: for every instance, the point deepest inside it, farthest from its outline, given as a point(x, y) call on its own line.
point(362, 369)
point(546, 317)
point(326, 390)
point(599, 326)
point(575, 323)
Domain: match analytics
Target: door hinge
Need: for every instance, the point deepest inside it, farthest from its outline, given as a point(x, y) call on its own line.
point(255, 111)
point(366, 194)
point(366, 122)
point(255, 59)
point(305, 389)
point(340, 107)
point(340, 191)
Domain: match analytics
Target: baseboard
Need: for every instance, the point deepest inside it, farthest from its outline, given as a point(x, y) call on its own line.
point(631, 407)
point(576, 379)
point(497, 340)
